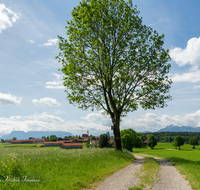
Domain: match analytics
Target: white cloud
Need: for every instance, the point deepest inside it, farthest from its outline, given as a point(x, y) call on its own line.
point(189, 55)
point(193, 76)
point(46, 101)
point(98, 117)
point(151, 122)
point(7, 17)
point(195, 87)
point(51, 42)
point(8, 99)
point(31, 41)
point(46, 122)
point(58, 112)
point(55, 84)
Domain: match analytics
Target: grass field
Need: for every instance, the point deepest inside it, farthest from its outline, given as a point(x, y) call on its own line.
point(58, 168)
point(186, 160)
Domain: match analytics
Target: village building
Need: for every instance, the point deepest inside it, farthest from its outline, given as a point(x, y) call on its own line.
point(48, 144)
point(71, 146)
point(28, 141)
point(85, 137)
point(8, 140)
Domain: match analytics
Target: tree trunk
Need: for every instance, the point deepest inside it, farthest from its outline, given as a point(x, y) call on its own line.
point(116, 132)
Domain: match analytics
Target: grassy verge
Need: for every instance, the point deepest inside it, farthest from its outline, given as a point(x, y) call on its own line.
point(57, 168)
point(186, 160)
point(148, 174)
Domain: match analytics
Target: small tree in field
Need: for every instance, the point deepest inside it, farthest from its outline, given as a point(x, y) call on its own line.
point(193, 141)
point(152, 142)
point(103, 140)
point(178, 141)
point(14, 138)
point(112, 62)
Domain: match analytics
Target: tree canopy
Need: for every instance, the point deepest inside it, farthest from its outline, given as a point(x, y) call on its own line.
point(193, 141)
point(178, 141)
point(151, 141)
point(111, 61)
point(130, 139)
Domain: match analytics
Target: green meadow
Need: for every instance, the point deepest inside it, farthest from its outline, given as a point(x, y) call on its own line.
point(186, 160)
point(54, 168)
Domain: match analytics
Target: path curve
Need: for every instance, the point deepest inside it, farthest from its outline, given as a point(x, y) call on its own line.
point(170, 178)
point(124, 178)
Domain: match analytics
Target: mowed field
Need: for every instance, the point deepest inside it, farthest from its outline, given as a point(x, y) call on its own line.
point(54, 168)
point(186, 160)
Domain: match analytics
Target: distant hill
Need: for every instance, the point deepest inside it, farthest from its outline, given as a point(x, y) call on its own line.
point(172, 128)
point(36, 134)
point(145, 132)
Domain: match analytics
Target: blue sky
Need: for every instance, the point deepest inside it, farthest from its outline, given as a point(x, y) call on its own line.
point(32, 97)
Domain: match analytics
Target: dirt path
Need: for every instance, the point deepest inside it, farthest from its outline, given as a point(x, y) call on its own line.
point(170, 178)
point(124, 178)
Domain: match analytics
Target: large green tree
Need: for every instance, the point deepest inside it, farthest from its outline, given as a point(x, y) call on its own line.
point(111, 61)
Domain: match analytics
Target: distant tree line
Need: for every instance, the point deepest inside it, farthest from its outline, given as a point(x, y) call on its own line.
point(169, 137)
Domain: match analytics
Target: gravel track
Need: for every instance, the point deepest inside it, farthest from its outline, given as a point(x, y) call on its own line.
point(124, 178)
point(170, 178)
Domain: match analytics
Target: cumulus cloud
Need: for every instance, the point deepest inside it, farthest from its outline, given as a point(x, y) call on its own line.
point(46, 101)
point(46, 122)
point(8, 99)
point(31, 41)
point(51, 42)
point(151, 122)
point(57, 84)
point(58, 112)
point(190, 55)
point(94, 123)
point(7, 17)
point(195, 87)
point(147, 122)
point(187, 77)
point(98, 118)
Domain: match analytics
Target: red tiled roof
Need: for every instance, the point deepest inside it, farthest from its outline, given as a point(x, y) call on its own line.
point(72, 144)
point(52, 142)
point(65, 141)
point(8, 139)
point(84, 135)
point(145, 141)
point(17, 140)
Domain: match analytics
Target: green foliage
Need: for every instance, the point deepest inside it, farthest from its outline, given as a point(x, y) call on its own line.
point(2, 141)
point(178, 141)
point(130, 139)
point(53, 138)
point(152, 142)
point(112, 62)
point(92, 138)
point(14, 138)
point(193, 141)
point(31, 138)
point(103, 140)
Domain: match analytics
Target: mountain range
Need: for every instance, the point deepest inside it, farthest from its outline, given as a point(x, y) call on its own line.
point(172, 128)
point(21, 135)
